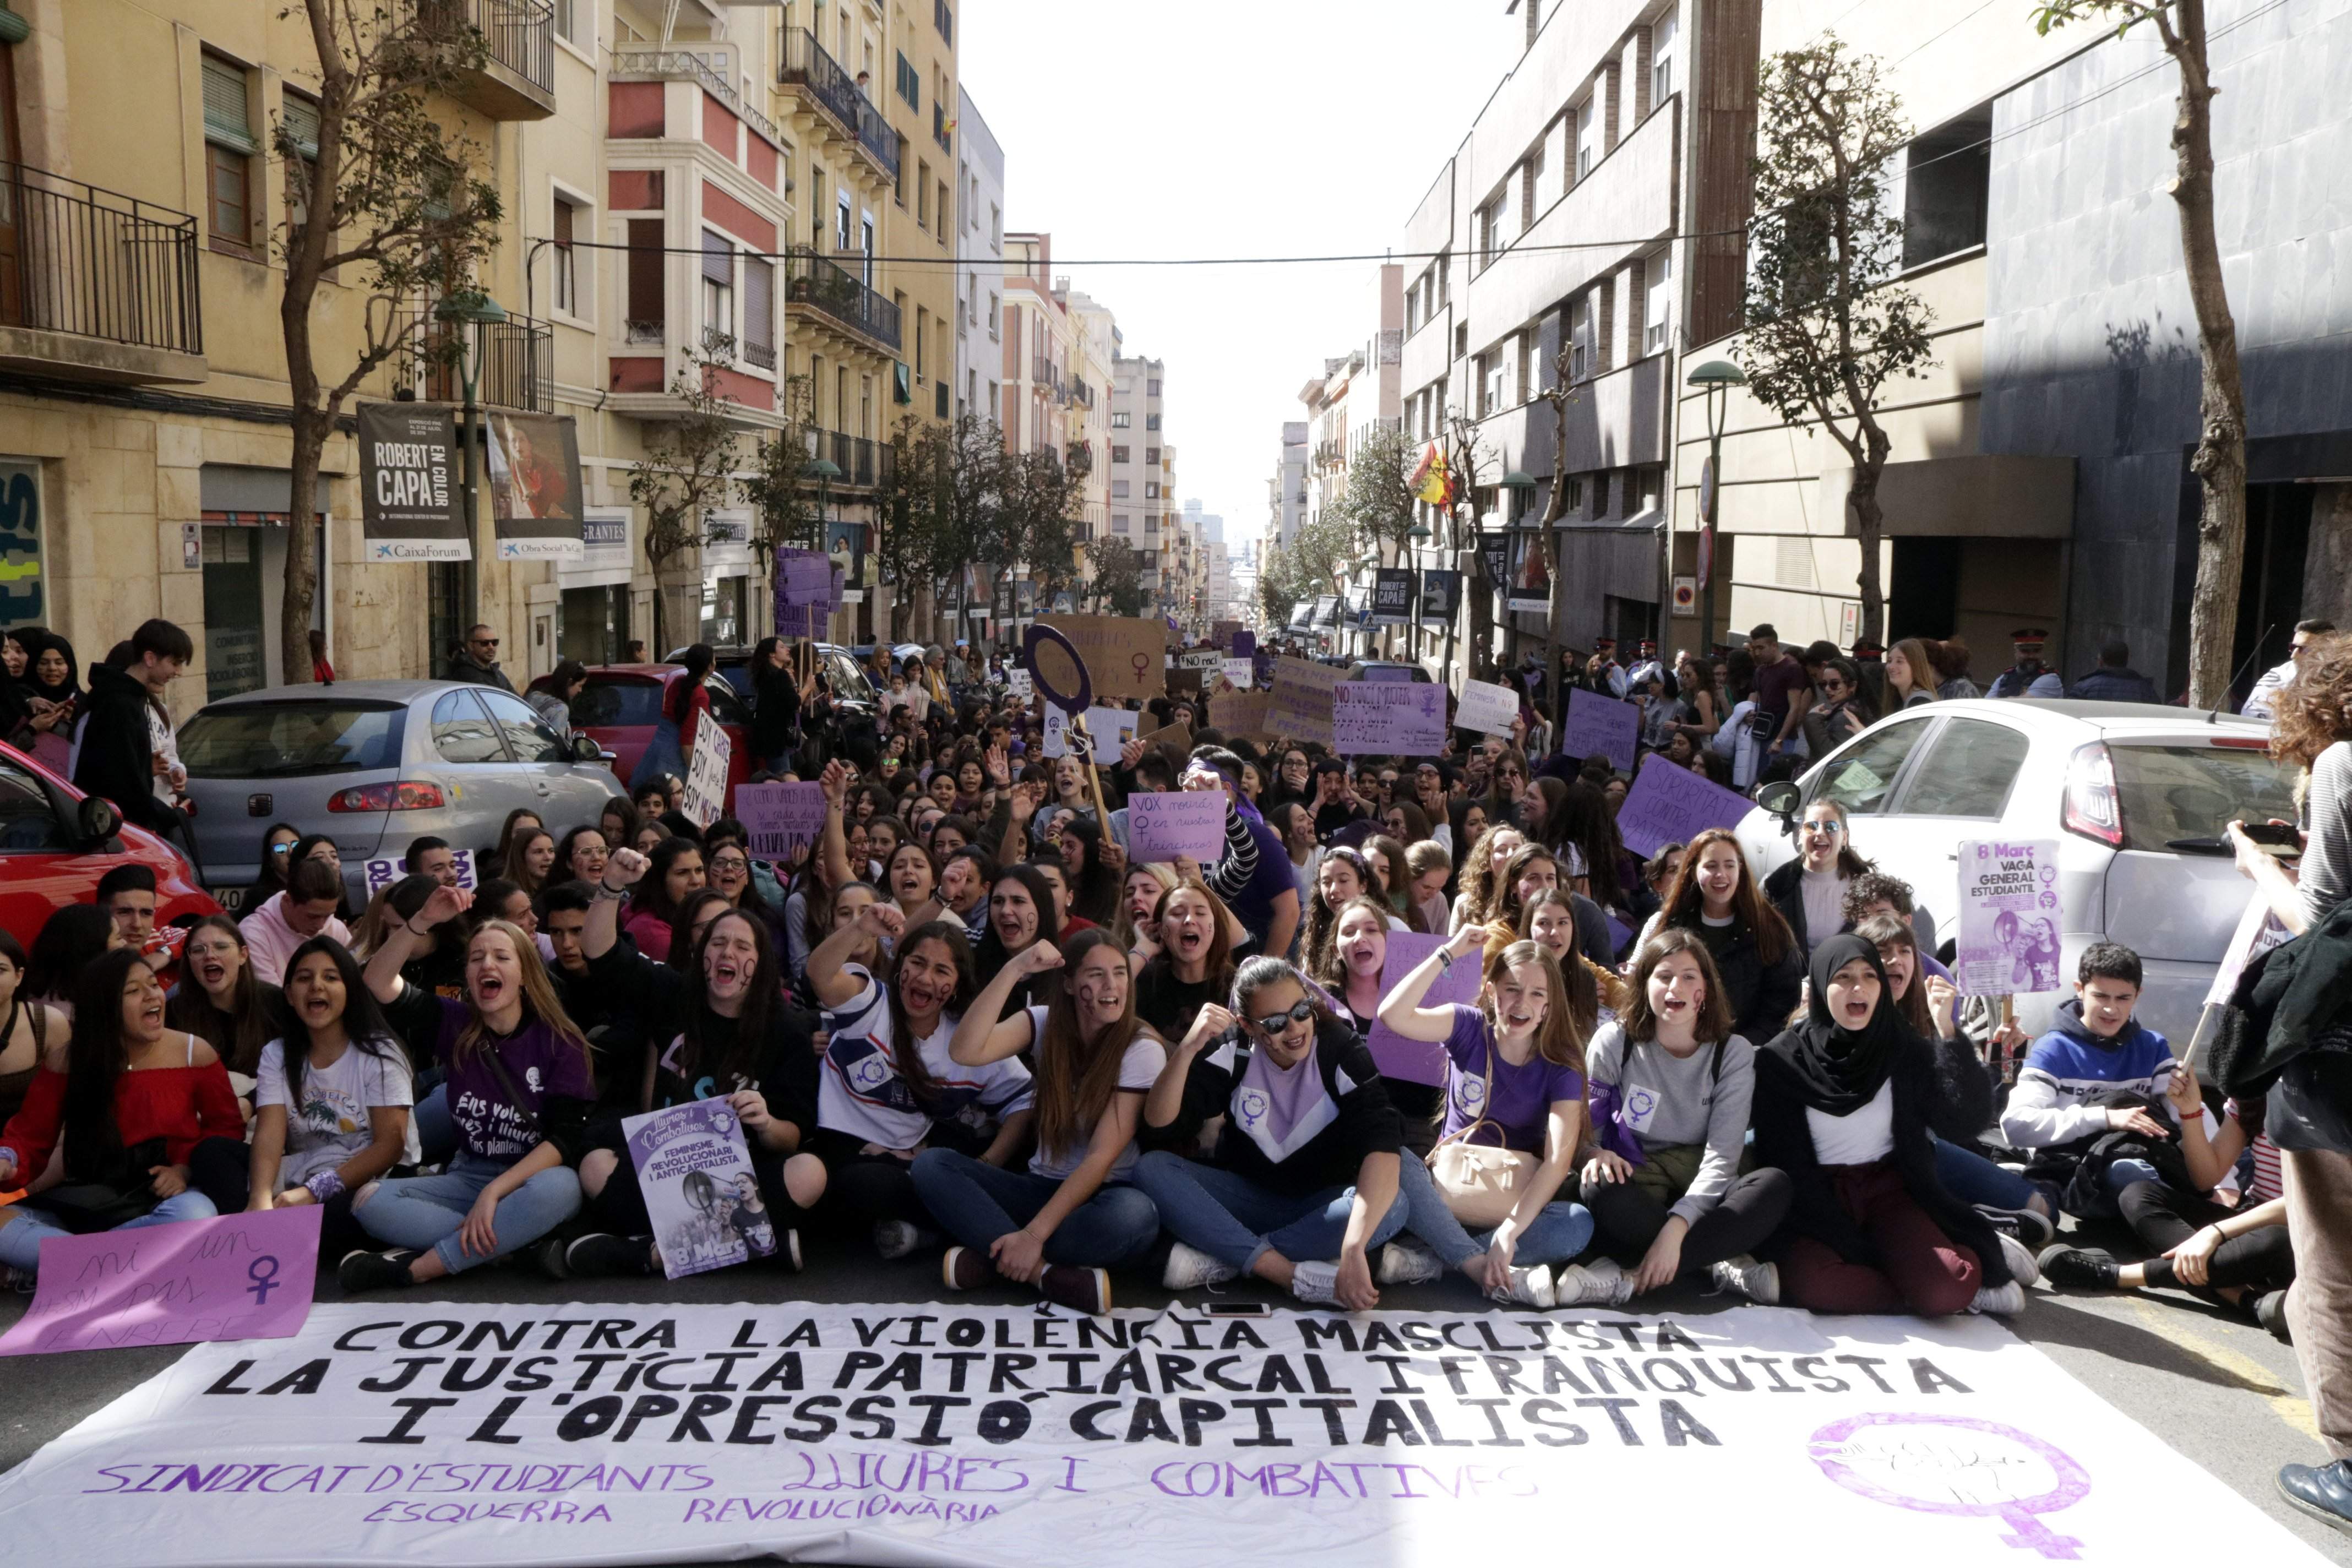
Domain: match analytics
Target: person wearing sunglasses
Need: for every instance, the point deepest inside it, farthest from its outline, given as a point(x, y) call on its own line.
point(1842, 709)
point(1810, 891)
point(1304, 1178)
point(477, 659)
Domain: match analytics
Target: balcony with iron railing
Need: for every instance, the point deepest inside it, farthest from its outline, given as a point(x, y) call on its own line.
point(863, 463)
point(819, 79)
point(813, 282)
point(689, 65)
point(514, 363)
point(95, 285)
point(516, 77)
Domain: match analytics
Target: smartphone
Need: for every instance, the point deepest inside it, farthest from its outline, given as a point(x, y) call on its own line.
point(2278, 839)
point(1237, 1310)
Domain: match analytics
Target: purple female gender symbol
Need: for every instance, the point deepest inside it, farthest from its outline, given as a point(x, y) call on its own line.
point(1072, 702)
point(2072, 1483)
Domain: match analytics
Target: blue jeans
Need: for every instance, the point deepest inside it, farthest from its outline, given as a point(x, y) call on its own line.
point(21, 1237)
point(978, 1202)
point(437, 1129)
point(422, 1212)
point(1559, 1233)
point(1973, 1179)
point(1236, 1220)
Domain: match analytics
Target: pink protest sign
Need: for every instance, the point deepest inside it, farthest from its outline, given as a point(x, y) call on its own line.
point(1372, 718)
point(240, 1276)
point(1413, 1060)
point(779, 817)
point(1164, 823)
point(1671, 805)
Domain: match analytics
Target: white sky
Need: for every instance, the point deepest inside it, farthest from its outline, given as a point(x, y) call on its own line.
point(1229, 128)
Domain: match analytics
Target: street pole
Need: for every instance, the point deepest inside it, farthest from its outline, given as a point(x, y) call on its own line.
point(473, 593)
point(1715, 398)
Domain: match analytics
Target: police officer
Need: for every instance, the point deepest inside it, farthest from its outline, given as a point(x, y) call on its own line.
point(2029, 676)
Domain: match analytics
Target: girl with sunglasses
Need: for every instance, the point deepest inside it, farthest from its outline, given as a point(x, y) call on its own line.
point(1810, 891)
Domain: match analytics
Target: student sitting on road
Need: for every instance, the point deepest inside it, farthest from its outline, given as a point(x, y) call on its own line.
point(1758, 957)
point(1514, 1079)
point(1185, 962)
point(1810, 891)
point(1672, 1085)
point(519, 1089)
point(286, 921)
point(129, 1101)
point(677, 870)
point(222, 1002)
point(2095, 1073)
point(1303, 1182)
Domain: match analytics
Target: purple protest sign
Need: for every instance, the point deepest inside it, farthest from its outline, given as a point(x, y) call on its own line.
point(1603, 724)
point(1670, 804)
point(1382, 718)
point(1163, 824)
point(779, 817)
point(1413, 1060)
point(1245, 645)
point(239, 1277)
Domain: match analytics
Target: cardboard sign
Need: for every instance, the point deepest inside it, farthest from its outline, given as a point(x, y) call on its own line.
point(2010, 918)
point(1174, 737)
point(1239, 673)
point(1200, 658)
point(239, 1277)
point(1414, 1061)
point(705, 774)
point(1121, 653)
point(1163, 824)
point(1603, 724)
point(1302, 699)
point(1488, 707)
point(1246, 713)
point(804, 591)
point(382, 874)
point(1669, 805)
point(1017, 682)
point(780, 818)
point(1372, 718)
point(700, 1191)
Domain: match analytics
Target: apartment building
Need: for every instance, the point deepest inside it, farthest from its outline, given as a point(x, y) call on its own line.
point(1287, 490)
point(1143, 509)
point(1095, 344)
point(979, 269)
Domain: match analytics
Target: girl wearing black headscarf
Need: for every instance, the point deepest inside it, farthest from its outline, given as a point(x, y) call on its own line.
point(1842, 1105)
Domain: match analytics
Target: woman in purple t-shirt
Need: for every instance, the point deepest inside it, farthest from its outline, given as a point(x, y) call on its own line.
point(519, 1090)
point(1515, 1077)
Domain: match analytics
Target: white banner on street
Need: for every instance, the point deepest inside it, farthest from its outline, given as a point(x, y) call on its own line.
point(1487, 708)
point(705, 773)
point(2010, 918)
point(953, 1432)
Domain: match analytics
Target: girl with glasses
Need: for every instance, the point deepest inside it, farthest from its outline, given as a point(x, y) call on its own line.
point(1810, 891)
point(276, 858)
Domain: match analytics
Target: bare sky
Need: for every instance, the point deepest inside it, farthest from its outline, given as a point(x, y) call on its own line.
point(1226, 128)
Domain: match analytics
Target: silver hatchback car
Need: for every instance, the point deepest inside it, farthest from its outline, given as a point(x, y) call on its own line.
point(374, 764)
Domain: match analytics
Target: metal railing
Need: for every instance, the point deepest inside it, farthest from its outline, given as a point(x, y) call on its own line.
point(806, 65)
point(686, 65)
point(78, 259)
point(811, 280)
point(863, 463)
point(514, 363)
point(519, 35)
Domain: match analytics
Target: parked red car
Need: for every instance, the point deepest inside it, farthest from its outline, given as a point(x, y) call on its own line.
point(621, 704)
point(55, 845)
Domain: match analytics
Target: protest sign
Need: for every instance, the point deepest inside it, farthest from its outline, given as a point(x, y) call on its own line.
point(700, 1191)
point(1122, 653)
point(1163, 824)
point(239, 1277)
point(1243, 645)
point(1017, 680)
point(1302, 699)
point(705, 774)
point(1487, 708)
point(1668, 804)
point(780, 818)
point(804, 593)
point(1200, 658)
point(1174, 737)
point(1186, 682)
point(383, 873)
point(1057, 738)
point(1244, 713)
point(1603, 724)
point(1109, 728)
point(1239, 673)
point(1414, 1061)
point(803, 1431)
point(1222, 632)
point(2010, 916)
point(1372, 718)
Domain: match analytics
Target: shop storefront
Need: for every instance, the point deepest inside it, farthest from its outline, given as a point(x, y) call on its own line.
point(594, 625)
point(241, 549)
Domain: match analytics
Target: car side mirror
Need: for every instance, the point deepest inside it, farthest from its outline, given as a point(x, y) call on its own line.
point(97, 820)
point(1780, 797)
point(584, 748)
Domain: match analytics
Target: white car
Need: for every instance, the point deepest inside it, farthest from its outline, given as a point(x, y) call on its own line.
point(2137, 796)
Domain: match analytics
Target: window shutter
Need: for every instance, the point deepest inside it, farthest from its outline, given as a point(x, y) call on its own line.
point(759, 311)
point(718, 259)
point(226, 119)
point(301, 120)
point(646, 302)
point(563, 224)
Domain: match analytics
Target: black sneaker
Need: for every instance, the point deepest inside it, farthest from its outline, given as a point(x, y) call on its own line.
point(1080, 1289)
point(2083, 1267)
point(364, 1270)
point(967, 1268)
point(2029, 1226)
point(549, 1254)
point(2270, 1311)
point(598, 1256)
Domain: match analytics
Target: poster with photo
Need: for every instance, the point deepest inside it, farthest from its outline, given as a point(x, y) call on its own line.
point(2010, 918)
point(700, 1186)
point(535, 487)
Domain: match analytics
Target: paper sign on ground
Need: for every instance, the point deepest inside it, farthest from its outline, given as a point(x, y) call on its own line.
point(1487, 708)
point(1375, 717)
point(1413, 1060)
point(1302, 699)
point(239, 1277)
point(1163, 824)
point(705, 774)
point(700, 1191)
point(1240, 672)
point(1669, 805)
point(2010, 916)
point(780, 818)
point(381, 874)
point(1603, 724)
point(1122, 654)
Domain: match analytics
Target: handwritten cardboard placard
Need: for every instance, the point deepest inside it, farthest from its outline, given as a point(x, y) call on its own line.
point(1416, 1061)
point(1123, 654)
point(706, 775)
point(1177, 738)
point(382, 874)
point(1372, 718)
point(1163, 824)
point(239, 1277)
point(1302, 699)
point(1247, 713)
point(1488, 707)
point(1669, 805)
point(1603, 724)
point(1240, 672)
point(2010, 916)
point(780, 818)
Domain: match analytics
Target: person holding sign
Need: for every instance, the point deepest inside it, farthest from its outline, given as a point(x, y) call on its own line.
point(129, 1101)
point(684, 702)
point(1756, 955)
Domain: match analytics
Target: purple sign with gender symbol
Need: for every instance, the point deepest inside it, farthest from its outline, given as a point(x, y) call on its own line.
point(238, 1277)
point(1956, 1465)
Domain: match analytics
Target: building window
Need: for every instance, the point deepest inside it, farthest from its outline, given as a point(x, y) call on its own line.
point(1588, 135)
point(1531, 176)
point(229, 150)
point(1489, 230)
point(567, 278)
point(1492, 388)
point(1119, 489)
point(1947, 183)
point(1662, 58)
point(922, 195)
point(1151, 522)
point(568, 14)
point(1580, 338)
point(1121, 454)
point(911, 84)
point(995, 314)
point(1658, 304)
point(1118, 523)
point(647, 309)
point(1152, 457)
point(943, 19)
point(718, 286)
point(947, 213)
point(1119, 420)
point(1152, 387)
point(841, 221)
point(299, 118)
point(1150, 490)
point(1152, 422)
point(760, 312)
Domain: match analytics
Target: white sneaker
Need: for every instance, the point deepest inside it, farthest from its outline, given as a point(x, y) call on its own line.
point(895, 1238)
point(1743, 1276)
point(1402, 1263)
point(1601, 1283)
point(2001, 1300)
point(2023, 1266)
point(1316, 1282)
point(1529, 1287)
point(1188, 1268)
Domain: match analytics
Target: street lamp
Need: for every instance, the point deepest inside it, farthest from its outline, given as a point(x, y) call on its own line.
point(469, 308)
point(1716, 379)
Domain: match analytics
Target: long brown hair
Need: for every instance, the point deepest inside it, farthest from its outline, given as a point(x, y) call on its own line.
point(1507, 905)
point(1478, 874)
point(538, 996)
point(1220, 956)
point(1332, 974)
point(240, 1031)
point(1884, 930)
point(1397, 891)
point(1714, 1021)
point(905, 1049)
point(1922, 670)
point(1748, 906)
point(1074, 1081)
point(1321, 919)
point(1850, 863)
point(2315, 711)
point(1570, 1005)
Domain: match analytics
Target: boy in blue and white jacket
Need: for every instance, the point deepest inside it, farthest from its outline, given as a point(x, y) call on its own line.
point(2095, 1052)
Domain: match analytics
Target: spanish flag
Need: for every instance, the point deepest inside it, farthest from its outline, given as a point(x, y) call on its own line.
point(1431, 482)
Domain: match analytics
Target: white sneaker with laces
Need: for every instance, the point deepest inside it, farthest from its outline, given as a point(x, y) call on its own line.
point(1402, 1263)
point(1530, 1287)
point(1317, 1283)
point(1743, 1276)
point(1601, 1283)
point(1188, 1268)
point(2023, 1266)
point(2001, 1300)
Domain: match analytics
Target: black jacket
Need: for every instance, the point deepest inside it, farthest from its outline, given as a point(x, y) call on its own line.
point(1762, 994)
point(466, 667)
point(2287, 1032)
point(117, 759)
point(775, 712)
point(1361, 1122)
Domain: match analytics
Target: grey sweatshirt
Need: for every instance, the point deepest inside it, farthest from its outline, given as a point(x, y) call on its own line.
point(1679, 1100)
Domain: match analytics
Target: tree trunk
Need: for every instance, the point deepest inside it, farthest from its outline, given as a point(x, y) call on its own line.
point(1869, 522)
point(2219, 460)
point(311, 427)
point(1555, 686)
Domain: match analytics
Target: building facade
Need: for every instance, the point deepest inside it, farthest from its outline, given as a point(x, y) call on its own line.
point(980, 271)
